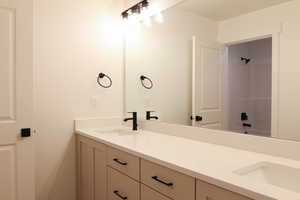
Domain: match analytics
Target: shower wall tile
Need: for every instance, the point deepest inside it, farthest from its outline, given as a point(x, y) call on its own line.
point(250, 86)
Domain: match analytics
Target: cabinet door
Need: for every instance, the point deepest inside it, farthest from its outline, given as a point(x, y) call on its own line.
point(124, 162)
point(121, 187)
point(171, 183)
point(85, 182)
point(206, 191)
point(149, 194)
point(100, 174)
point(91, 165)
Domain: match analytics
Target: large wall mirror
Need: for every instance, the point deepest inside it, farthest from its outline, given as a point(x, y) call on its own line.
point(208, 65)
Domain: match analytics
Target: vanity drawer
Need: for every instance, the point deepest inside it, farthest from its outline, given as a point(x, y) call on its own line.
point(124, 162)
point(169, 182)
point(149, 194)
point(206, 191)
point(121, 187)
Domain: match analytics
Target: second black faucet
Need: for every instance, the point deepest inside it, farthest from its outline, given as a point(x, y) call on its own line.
point(149, 117)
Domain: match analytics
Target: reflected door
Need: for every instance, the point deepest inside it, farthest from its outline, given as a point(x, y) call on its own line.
point(16, 100)
point(207, 84)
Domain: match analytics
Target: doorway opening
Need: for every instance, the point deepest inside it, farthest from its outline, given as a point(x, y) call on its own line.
point(249, 87)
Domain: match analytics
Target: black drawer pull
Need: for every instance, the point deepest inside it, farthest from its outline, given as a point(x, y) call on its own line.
point(120, 162)
point(116, 192)
point(158, 180)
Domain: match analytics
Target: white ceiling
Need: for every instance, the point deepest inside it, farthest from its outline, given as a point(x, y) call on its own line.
point(225, 9)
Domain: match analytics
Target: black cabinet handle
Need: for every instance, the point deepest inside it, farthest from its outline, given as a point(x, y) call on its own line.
point(161, 181)
point(119, 162)
point(116, 192)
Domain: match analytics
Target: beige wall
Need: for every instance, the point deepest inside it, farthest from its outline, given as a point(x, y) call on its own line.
point(74, 41)
point(284, 18)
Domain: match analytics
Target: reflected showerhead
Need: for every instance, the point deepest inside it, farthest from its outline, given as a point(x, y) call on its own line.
point(247, 60)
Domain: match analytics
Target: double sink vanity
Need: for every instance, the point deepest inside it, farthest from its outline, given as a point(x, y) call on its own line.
point(116, 163)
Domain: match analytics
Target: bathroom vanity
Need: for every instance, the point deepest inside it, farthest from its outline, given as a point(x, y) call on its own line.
point(106, 172)
point(116, 163)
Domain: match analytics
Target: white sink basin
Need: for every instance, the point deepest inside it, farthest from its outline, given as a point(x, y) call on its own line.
point(120, 131)
point(274, 174)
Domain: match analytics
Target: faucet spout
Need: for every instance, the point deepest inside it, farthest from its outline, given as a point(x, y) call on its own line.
point(127, 119)
point(134, 121)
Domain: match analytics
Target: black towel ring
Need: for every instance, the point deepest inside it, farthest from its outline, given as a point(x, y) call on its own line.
point(101, 76)
point(143, 78)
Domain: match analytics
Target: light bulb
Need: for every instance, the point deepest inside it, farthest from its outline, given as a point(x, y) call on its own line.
point(133, 18)
point(145, 18)
point(125, 23)
point(144, 9)
point(129, 12)
point(159, 18)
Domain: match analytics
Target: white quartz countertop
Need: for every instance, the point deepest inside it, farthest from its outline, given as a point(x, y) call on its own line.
point(208, 162)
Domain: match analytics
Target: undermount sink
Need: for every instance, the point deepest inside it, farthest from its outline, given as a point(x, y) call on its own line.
point(121, 131)
point(274, 174)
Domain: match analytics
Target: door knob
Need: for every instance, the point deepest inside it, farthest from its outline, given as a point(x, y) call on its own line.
point(25, 132)
point(197, 118)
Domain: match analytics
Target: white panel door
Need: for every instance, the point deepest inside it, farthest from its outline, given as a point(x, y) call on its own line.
point(207, 85)
point(16, 100)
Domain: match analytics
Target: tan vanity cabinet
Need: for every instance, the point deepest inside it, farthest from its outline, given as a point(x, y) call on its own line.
point(91, 168)
point(149, 194)
point(173, 184)
point(124, 162)
point(122, 187)
point(105, 173)
point(205, 191)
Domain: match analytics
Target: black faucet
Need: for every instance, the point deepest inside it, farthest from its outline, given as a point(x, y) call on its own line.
point(247, 125)
point(134, 121)
point(149, 117)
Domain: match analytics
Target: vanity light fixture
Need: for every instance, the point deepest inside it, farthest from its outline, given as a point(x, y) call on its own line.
point(136, 9)
point(142, 12)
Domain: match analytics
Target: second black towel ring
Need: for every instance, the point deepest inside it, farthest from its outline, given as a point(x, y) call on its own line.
point(143, 78)
point(101, 76)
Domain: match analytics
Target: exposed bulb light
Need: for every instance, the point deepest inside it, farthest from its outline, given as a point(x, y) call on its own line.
point(125, 23)
point(144, 9)
point(145, 16)
point(142, 13)
point(136, 9)
point(133, 18)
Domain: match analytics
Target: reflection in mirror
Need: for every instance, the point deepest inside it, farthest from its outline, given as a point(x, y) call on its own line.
point(216, 67)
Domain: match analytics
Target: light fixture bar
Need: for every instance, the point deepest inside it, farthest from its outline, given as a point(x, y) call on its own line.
point(136, 9)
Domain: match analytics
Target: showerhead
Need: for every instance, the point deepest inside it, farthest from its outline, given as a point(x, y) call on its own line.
point(247, 60)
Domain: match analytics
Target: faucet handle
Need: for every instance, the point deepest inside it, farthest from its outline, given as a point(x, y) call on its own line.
point(134, 114)
point(148, 113)
point(149, 117)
